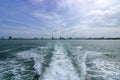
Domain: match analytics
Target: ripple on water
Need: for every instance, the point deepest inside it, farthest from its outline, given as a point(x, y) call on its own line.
point(100, 65)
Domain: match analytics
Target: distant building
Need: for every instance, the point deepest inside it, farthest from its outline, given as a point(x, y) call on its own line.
point(70, 38)
point(2, 38)
point(52, 38)
point(10, 37)
point(42, 38)
point(35, 38)
point(61, 38)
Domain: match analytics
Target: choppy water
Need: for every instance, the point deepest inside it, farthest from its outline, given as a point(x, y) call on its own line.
point(59, 60)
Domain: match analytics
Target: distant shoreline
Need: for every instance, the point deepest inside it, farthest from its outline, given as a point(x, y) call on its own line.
point(68, 39)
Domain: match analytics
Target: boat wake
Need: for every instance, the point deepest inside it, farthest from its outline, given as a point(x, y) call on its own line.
point(101, 67)
point(92, 65)
point(61, 67)
point(59, 62)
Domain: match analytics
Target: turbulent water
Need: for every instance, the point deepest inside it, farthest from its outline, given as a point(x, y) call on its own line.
point(59, 60)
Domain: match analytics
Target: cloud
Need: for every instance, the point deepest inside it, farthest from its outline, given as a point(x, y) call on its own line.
point(42, 15)
point(45, 15)
point(20, 31)
point(103, 17)
point(52, 19)
point(75, 7)
point(103, 4)
point(104, 12)
point(90, 18)
point(87, 31)
point(67, 18)
point(81, 7)
point(36, 1)
point(83, 31)
point(99, 13)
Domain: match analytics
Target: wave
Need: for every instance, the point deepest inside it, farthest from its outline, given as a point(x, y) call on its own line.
point(38, 55)
point(61, 67)
point(80, 57)
point(100, 66)
point(38, 59)
point(92, 65)
point(11, 69)
point(5, 50)
point(68, 62)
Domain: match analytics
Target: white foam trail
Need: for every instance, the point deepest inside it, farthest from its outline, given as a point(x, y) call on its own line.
point(11, 66)
point(43, 47)
point(79, 47)
point(5, 50)
point(61, 67)
point(80, 57)
point(83, 67)
point(38, 59)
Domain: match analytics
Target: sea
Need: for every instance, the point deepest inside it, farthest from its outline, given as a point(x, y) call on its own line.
point(59, 59)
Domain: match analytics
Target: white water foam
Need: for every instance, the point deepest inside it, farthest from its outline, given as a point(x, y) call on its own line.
point(5, 50)
point(11, 69)
point(80, 58)
point(101, 64)
point(18, 71)
point(61, 67)
point(79, 47)
point(38, 59)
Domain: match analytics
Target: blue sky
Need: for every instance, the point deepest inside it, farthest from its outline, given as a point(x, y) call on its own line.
point(67, 18)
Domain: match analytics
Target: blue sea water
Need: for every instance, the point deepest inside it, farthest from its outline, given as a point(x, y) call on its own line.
point(59, 59)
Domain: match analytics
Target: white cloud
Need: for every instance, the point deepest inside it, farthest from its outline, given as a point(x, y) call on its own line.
point(69, 3)
point(104, 12)
point(103, 17)
point(103, 4)
point(95, 17)
point(72, 18)
point(87, 31)
point(42, 15)
point(45, 15)
point(74, 6)
point(85, 6)
point(84, 31)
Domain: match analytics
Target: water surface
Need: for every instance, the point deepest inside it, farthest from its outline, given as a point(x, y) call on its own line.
point(59, 59)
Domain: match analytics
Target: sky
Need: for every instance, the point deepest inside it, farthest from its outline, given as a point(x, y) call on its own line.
point(65, 18)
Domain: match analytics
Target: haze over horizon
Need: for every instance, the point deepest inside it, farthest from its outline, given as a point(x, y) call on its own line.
point(66, 18)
